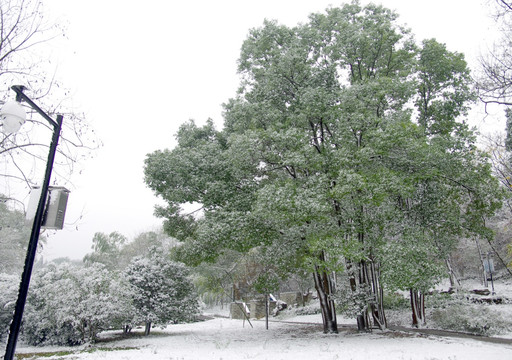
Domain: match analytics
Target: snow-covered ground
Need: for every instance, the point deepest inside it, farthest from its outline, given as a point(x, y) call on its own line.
point(227, 339)
point(299, 337)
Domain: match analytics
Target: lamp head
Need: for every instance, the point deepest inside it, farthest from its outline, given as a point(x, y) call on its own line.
point(12, 116)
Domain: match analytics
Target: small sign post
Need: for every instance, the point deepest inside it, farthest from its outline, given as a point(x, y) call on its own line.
point(489, 269)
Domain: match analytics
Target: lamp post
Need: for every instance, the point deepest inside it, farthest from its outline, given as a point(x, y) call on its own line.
point(10, 116)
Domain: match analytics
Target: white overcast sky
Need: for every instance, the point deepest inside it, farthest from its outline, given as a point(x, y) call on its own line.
point(139, 69)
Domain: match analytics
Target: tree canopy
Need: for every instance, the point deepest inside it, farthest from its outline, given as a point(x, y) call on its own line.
point(343, 149)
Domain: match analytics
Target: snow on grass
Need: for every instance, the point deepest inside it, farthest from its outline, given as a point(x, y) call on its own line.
point(300, 337)
point(228, 339)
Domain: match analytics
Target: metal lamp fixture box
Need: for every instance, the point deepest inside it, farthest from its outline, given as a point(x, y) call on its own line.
point(55, 208)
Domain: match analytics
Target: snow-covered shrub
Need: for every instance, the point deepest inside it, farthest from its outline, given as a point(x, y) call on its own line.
point(480, 320)
point(70, 305)
point(311, 309)
point(9, 285)
point(161, 290)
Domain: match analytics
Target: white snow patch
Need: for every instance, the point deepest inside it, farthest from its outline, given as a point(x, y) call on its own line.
point(228, 339)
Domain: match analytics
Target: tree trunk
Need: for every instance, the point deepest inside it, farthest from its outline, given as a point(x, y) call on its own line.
point(454, 282)
point(484, 274)
point(377, 307)
point(323, 286)
point(352, 276)
point(148, 328)
point(361, 323)
point(417, 307)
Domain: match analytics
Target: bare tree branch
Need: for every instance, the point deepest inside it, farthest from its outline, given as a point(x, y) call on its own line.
point(494, 83)
point(24, 28)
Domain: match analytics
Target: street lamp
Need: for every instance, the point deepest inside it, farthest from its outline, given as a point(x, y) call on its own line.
point(13, 116)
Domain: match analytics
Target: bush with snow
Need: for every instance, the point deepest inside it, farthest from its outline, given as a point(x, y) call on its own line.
point(70, 305)
point(469, 318)
point(161, 290)
point(311, 309)
point(9, 285)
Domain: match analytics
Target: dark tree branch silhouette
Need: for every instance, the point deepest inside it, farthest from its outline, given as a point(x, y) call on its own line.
point(25, 32)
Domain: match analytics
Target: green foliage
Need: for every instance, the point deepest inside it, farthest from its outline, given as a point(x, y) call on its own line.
point(412, 263)
point(443, 88)
point(143, 244)
point(353, 302)
point(266, 283)
point(214, 281)
point(396, 301)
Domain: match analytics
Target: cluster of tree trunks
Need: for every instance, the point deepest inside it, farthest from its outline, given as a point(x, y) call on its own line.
point(418, 307)
point(368, 278)
point(325, 289)
point(373, 314)
point(323, 285)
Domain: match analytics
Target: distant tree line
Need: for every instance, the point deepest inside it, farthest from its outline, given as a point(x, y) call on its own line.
point(71, 303)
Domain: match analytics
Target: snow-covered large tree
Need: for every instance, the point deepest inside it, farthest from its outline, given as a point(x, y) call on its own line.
point(344, 133)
